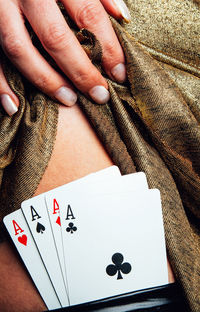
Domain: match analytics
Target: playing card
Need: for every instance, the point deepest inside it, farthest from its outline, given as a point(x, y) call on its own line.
point(129, 182)
point(37, 218)
point(108, 174)
point(22, 238)
point(113, 244)
point(94, 184)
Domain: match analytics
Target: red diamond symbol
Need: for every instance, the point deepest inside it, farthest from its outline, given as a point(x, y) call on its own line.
point(58, 221)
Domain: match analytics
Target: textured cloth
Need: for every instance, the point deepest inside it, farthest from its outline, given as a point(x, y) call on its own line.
point(151, 124)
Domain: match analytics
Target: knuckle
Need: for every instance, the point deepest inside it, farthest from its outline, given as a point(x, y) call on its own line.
point(110, 51)
point(55, 37)
point(42, 82)
point(12, 46)
point(88, 15)
point(80, 78)
point(23, 3)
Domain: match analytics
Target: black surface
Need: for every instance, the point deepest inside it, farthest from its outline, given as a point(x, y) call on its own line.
point(166, 298)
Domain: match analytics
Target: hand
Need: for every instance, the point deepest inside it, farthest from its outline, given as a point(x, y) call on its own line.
point(60, 42)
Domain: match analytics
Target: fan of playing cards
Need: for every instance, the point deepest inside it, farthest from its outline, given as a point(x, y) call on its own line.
point(96, 237)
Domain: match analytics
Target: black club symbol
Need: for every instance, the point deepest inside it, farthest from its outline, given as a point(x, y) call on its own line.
point(71, 228)
point(118, 266)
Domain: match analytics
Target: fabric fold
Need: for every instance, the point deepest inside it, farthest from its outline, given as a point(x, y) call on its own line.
point(151, 124)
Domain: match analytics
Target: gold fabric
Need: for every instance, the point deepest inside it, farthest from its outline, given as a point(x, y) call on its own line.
point(151, 124)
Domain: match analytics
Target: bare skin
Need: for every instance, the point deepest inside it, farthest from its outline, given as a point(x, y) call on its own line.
point(77, 152)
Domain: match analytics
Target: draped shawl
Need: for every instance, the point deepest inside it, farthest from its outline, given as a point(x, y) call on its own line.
point(150, 124)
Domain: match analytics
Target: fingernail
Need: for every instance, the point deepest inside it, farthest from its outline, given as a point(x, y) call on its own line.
point(66, 96)
point(8, 104)
point(119, 72)
point(99, 94)
point(121, 5)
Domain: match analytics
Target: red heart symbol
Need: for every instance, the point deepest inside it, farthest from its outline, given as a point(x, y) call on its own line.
point(23, 239)
point(58, 221)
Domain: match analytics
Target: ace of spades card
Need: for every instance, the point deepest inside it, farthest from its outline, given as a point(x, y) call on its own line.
point(37, 218)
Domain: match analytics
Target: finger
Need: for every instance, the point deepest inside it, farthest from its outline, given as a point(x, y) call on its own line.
point(8, 99)
point(17, 45)
point(60, 42)
point(90, 14)
point(117, 8)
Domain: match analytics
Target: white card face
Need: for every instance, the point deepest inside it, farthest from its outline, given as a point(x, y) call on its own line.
point(126, 183)
point(22, 238)
point(91, 184)
point(109, 172)
point(37, 218)
point(108, 237)
point(52, 203)
point(106, 181)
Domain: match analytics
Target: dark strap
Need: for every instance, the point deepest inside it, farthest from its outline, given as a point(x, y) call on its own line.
point(166, 298)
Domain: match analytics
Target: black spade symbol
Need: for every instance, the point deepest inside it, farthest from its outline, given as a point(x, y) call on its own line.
point(40, 228)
